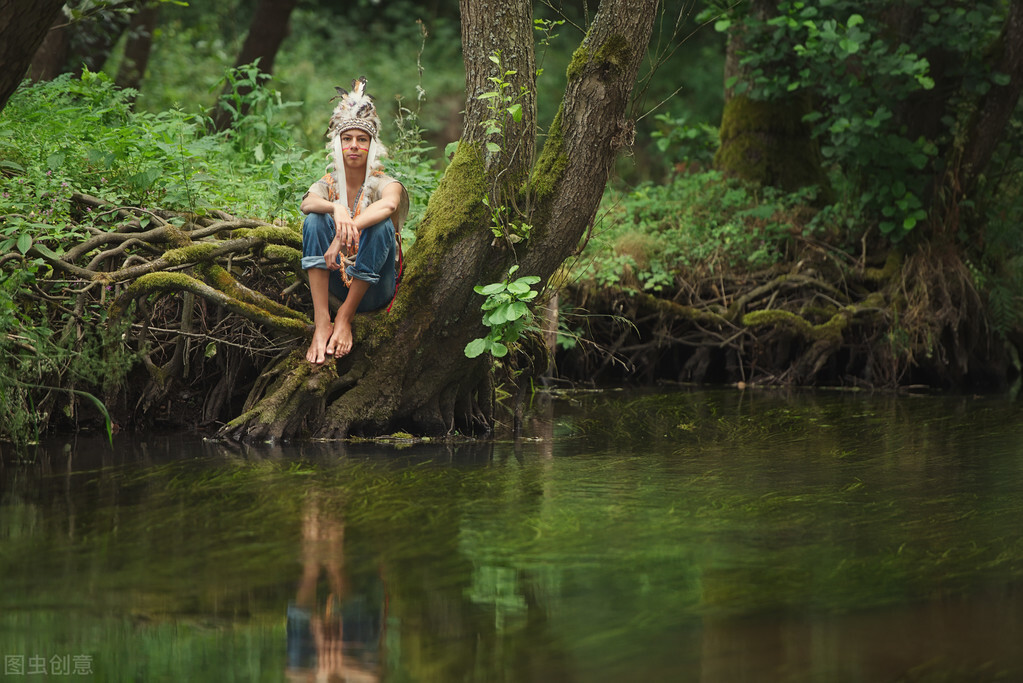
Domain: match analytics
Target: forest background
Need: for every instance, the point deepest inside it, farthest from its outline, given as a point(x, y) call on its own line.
point(817, 193)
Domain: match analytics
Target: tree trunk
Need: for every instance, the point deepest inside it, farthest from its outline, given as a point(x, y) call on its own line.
point(987, 129)
point(407, 370)
point(971, 153)
point(765, 142)
point(138, 47)
point(52, 56)
point(23, 26)
point(84, 45)
point(267, 31)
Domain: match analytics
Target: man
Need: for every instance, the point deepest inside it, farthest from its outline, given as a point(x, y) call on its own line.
point(354, 216)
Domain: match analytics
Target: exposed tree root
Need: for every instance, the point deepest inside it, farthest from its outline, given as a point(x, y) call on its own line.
point(915, 320)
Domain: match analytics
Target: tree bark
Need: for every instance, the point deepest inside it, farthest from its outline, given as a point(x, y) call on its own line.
point(764, 142)
point(23, 26)
point(52, 56)
point(970, 155)
point(995, 109)
point(84, 45)
point(407, 370)
point(267, 31)
point(502, 36)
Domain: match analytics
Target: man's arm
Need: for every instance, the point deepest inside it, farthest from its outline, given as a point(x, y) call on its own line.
point(314, 203)
point(381, 209)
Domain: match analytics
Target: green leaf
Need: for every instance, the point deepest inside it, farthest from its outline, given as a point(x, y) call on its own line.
point(24, 242)
point(498, 350)
point(1000, 78)
point(854, 20)
point(497, 316)
point(493, 147)
point(516, 310)
point(45, 251)
point(475, 348)
point(492, 288)
point(516, 112)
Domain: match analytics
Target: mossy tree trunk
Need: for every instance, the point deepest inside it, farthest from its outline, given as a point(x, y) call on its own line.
point(969, 159)
point(407, 370)
point(764, 142)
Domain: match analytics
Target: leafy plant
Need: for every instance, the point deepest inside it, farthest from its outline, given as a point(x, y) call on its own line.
point(502, 103)
point(505, 312)
point(649, 235)
point(860, 71)
point(682, 142)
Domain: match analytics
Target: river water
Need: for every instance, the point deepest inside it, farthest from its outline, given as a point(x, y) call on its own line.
point(712, 536)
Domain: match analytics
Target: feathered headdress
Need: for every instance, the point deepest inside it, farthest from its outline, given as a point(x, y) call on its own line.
point(354, 110)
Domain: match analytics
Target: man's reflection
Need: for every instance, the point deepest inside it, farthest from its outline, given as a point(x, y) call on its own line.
point(335, 631)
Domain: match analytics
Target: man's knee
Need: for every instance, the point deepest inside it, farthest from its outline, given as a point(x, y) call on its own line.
point(317, 224)
point(317, 234)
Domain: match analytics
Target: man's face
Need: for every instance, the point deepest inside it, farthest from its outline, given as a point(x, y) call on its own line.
point(355, 144)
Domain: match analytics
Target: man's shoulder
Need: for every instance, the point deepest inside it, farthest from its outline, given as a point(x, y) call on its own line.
point(324, 187)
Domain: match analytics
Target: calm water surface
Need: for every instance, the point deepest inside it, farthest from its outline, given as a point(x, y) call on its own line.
point(711, 536)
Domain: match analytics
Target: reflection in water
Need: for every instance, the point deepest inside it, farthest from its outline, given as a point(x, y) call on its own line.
point(339, 637)
point(708, 536)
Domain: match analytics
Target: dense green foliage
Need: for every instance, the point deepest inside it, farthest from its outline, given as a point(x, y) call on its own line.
point(651, 236)
point(867, 68)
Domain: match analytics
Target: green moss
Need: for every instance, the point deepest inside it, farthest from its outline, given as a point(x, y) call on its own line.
point(614, 53)
point(550, 166)
point(579, 60)
point(892, 266)
point(776, 317)
point(873, 300)
point(284, 319)
point(193, 253)
point(455, 208)
point(818, 312)
point(283, 253)
point(457, 200)
point(220, 278)
point(672, 309)
point(831, 330)
point(274, 235)
point(769, 144)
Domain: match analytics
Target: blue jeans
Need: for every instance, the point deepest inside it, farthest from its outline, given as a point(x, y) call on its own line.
point(374, 261)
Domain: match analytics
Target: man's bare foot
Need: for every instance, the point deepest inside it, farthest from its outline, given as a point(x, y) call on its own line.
point(341, 340)
point(318, 348)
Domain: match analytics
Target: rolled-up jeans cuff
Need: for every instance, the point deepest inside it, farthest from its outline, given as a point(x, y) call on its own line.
point(313, 262)
point(371, 278)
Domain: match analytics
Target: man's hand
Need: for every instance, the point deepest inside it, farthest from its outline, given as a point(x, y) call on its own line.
point(333, 252)
point(346, 230)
